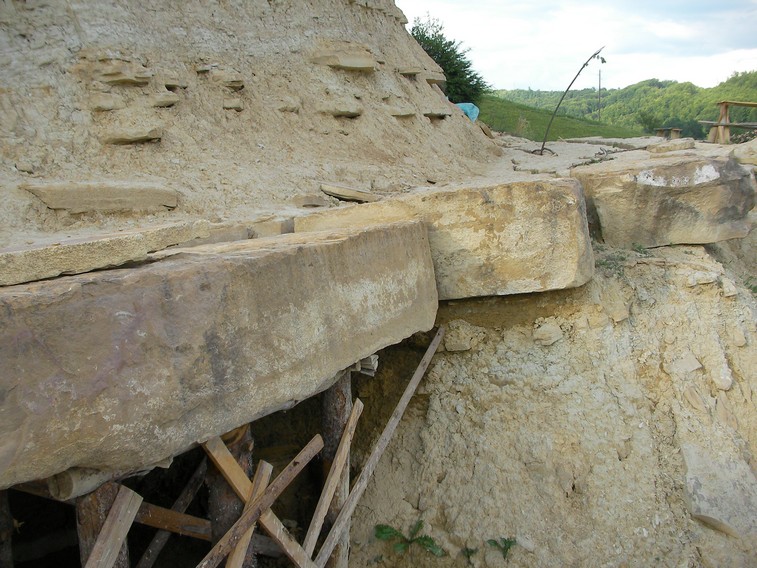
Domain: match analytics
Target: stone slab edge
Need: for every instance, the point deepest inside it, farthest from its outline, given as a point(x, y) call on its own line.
point(118, 369)
point(496, 240)
point(77, 255)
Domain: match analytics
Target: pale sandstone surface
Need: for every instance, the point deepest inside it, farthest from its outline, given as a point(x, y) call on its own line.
point(578, 447)
point(76, 255)
point(119, 369)
point(489, 240)
point(235, 95)
point(681, 197)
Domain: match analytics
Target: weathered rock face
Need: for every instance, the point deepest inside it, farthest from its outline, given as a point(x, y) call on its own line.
point(266, 100)
point(117, 370)
point(661, 199)
point(591, 438)
point(495, 240)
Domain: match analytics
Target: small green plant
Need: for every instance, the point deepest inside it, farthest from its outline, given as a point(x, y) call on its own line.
point(389, 533)
point(504, 545)
point(468, 553)
point(640, 249)
point(751, 285)
point(612, 263)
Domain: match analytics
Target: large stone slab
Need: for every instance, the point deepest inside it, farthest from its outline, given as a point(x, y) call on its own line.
point(119, 369)
point(686, 198)
point(82, 254)
point(103, 195)
point(721, 491)
point(495, 240)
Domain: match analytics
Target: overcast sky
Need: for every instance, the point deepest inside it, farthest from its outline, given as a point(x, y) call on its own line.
point(541, 44)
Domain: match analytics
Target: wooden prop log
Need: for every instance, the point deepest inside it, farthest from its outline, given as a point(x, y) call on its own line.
point(332, 481)
point(173, 521)
point(336, 405)
point(113, 535)
point(259, 483)
point(91, 512)
point(6, 531)
point(180, 505)
point(259, 506)
point(268, 521)
point(378, 450)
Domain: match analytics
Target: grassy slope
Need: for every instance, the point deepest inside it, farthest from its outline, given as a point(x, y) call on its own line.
point(528, 122)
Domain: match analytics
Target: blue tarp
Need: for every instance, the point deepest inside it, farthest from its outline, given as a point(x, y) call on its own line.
point(470, 110)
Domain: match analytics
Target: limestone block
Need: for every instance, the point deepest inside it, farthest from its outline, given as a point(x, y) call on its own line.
point(163, 100)
point(172, 82)
point(105, 195)
point(671, 145)
point(77, 255)
point(228, 78)
point(680, 199)
point(434, 77)
point(721, 491)
point(746, 153)
point(350, 58)
point(346, 107)
point(118, 369)
point(349, 193)
point(409, 71)
point(104, 102)
point(233, 103)
point(132, 135)
point(495, 240)
point(116, 72)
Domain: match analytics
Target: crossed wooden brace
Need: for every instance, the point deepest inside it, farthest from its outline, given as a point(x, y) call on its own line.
point(259, 496)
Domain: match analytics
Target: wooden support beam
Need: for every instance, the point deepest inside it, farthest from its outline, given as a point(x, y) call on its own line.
point(259, 483)
point(361, 483)
point(278, 533)
point(112, 537)
point(91, 512)
point(340, 464)
point(183, 501)
point(251, 515)
point(223, 506)
point(336, 407)
point(6, 532)
point(173, 521)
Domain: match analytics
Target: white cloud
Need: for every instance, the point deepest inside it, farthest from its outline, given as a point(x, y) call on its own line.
point(542, 45)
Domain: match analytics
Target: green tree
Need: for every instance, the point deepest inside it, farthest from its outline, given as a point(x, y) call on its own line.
point(464, 85)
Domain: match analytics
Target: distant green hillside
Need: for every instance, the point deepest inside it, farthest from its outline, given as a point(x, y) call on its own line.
point(649, 104)
point(529, 122)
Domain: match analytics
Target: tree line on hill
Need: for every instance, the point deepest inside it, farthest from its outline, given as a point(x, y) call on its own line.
point(650, 104)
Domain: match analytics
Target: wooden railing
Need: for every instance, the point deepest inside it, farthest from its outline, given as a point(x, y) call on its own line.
point(720, 130)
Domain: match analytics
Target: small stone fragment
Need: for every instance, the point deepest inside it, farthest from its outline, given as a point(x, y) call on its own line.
point(228, 78)
point(25, 166)
point(462, 336)
point(737, 337)
point(173, 82)
point(355, 58)
point(163, 100)
point(671, 145)
point(132, 135)
point(104, 102)
point(695, 400)
point(123, 73)
point(687, 363)
point(701, 277)
point(722, 378)
point(349, 193)
point(547, 334)
point(721, 491)
point(729, 288)
point(724, 411)
point(233, 103)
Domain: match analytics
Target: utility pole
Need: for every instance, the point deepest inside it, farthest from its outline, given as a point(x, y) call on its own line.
point(599, 97)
